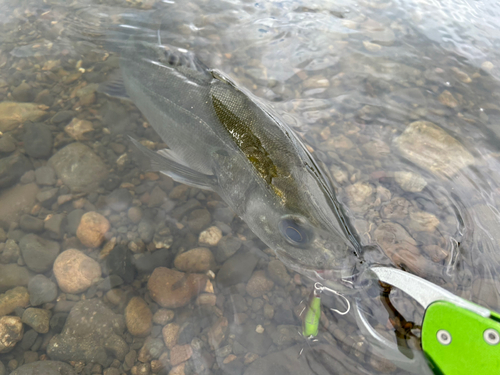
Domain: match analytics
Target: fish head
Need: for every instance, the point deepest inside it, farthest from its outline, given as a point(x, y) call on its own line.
point(305, 227)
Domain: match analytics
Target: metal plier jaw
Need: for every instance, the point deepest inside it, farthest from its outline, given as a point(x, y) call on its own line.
point(458, 336)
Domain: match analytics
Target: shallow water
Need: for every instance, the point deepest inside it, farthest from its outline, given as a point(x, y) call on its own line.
point(398, 99)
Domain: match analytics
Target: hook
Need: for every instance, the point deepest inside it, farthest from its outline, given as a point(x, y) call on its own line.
point(321, 288)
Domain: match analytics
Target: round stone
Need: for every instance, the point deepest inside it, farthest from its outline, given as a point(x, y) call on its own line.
point(195, 260)
point(75, 271)
point(11, 332)
point(92, 228)
point(138, 317)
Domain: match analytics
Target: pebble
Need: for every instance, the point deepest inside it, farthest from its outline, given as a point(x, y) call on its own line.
point(138, 317)
point(12, 168)
point(237, 269)
point(423, 221)
point(13, 114)
point(10, 253)
point(171, 334)
point(54, 225)
point(157, 197)
point(12, 275)
point(447, 99)
point(45, 367)
point(180, 353)
point(227, 246)
point(73, 220)
point(172, 289)
point(372, 47)
point(78, 167)
point(210, 237)
point(45, 176)
point(38, 253)
point(41, 290)
point(410, 181)
point(278, 273)
point(487, 65)
point(119, 262)
point(38, 319)
point(254, 341)
point(163, 316)
point(92, 333)
point(16, 201)
point(359, 193)
point(195, 260)
point(30, 223)
point(152, 349)
point(134, 214)
point(199, 219)
point(146, 231)
point(259, 284)
point(7, 143)
point(75, 272)
point(38, 140)
point(11, 332)
point(431, 148)
point(92, 228)
point(119, 200)
point(44, 97)
point(12, 299)
point(77, 129)
point(23, 93)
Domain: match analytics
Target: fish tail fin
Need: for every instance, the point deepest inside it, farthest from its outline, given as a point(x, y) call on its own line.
point(178, 172)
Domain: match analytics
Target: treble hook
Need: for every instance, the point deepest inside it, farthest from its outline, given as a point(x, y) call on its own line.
point(321, 288)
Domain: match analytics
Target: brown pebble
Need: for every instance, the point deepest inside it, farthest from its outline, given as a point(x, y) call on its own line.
point(195, 260)
point(210, 236)
point(138, 317)
point(178, 370)
point(163, 316)
point(171, 334)
point(259, 284)
point(180, 353)
point(92, 228)
point(11, 332)
point(75, 272)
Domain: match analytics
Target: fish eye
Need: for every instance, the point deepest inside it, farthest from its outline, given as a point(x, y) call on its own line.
point(295, 232)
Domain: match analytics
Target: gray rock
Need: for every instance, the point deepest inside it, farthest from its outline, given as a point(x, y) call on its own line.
point(224, 214)
point(29, 339)
point(12, 275)
point(237, 269)
point(12, 168)
point(10, 253)
point(44, 97)
point(23, 93)
point(79, 167)
point(7, 143)
point(38, 140)
point(48, 196)
point(227, 246)
point(41, 290)
point(38, 253)
point(30, 223)
point(92, 331)
point(16, 201)
point(278, 273)
point(286, 335)
point(119, 263)
point(54, 225)
point(57, 321)
point(63, 116)
point(2, 369)
point(45, 176)
point(146, 230)
point(38, 319)
point(253, 341)
point(199, 219)
point(73, 220)
point(28, 177)
point(119, 200)
point(149, 261)
point(45, 368)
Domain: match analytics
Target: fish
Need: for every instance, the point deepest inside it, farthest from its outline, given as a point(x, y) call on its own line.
point(223, 139)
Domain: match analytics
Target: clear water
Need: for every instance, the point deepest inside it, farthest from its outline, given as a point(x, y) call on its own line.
point(352, 79)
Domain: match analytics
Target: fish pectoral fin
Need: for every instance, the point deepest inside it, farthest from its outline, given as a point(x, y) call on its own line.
point(160, 162)
point(114, 86)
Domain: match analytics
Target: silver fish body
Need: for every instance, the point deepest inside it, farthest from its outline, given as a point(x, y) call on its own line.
point(223, 139)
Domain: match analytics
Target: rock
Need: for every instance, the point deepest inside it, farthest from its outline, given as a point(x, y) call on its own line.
point(286, 335)
point(41, 290)
point(210, 237)
point(149, 261)
point(359, 193)
point(23, 93)
point(134, 214)
point(12, 168)
point(45, 176)
point(431, 148)
point(157, 197)
point(2, 369)
point(199, 219)
point(62, 116)
point(45, 368)
point(253, 341)
point(138, 317)
point(30, 223)
point(259, 284)
point(163, 316)
point(447, 99)
point(10, 253)
point(77, 129)
point(73, 220)
point(423, 221)
point(152, 349)
point(393, 237)
point(54, 225)
point(79, 167)
point(12, 275)
point(91, 333)
point(146, 230)
point(38, 319)
point(16, 201)
point(180, 353)
point(409, 181)
point(170, 334)
point(120, 262)
point(13, 114)
point(278, 273)
point(44, 97)
point(397, 209)
point(38, 140)
point(92, 228)
point(12, 299)
point(172, 289)
point(38, 253)
point(376, 149)
point(11, 332)
point(237, 269)
point(47, 196)
point(119, 200)
point(436, 253)
point(75, 272)
point(227, 246)
point(195, 260)
point(372, 47)
point(7, 144)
